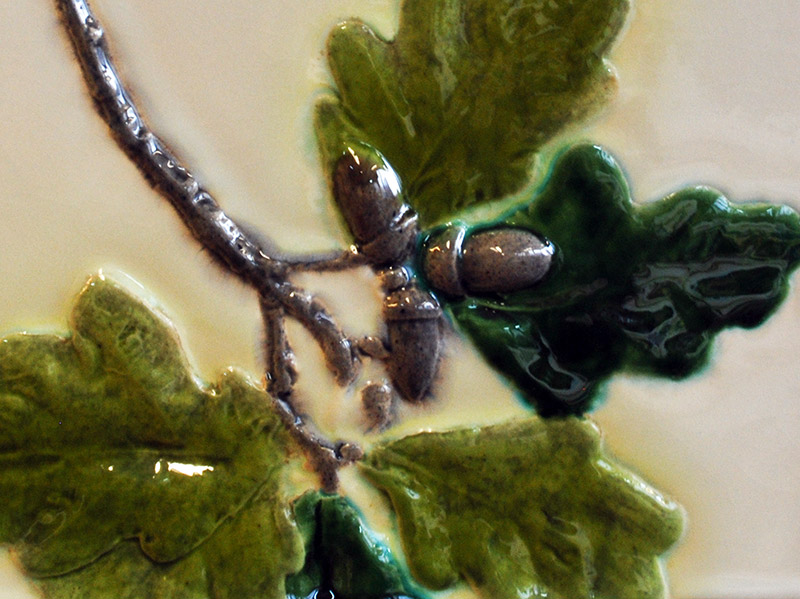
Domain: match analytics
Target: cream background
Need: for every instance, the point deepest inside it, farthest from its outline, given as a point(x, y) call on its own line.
point(708, 94)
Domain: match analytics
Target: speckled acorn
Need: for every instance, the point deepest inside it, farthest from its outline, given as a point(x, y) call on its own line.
point(415, 324)
point(367, 191)
point(504, 260)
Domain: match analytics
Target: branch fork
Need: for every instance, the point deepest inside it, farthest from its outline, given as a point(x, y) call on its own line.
point(229, 244)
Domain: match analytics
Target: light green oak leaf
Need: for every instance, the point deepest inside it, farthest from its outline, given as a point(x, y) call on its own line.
point(533, 508)
point(121, 475)
point(468, 91)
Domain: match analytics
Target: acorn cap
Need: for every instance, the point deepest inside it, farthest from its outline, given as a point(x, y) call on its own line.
point(442, 253)
point(410, 303)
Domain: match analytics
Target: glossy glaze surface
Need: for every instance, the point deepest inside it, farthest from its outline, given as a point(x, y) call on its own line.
point(343, 558)
point(125, 477)
point(633, 288)
point(568, 523)
point(122, 476)
point(465, 94)
point(698, 438)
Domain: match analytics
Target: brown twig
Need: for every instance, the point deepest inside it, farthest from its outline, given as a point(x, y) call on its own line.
point(225, 240)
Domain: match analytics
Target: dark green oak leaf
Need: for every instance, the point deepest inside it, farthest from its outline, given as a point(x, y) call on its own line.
point(468, 91)
point(637, 288)
point(117, 465)
point(533, 508)
point(343, 559)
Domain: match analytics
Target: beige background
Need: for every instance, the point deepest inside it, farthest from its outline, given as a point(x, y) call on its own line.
point(709, 93)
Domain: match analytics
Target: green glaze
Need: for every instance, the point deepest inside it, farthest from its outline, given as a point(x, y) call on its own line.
point(527, 509)
point(98, 432)
point(636, 288)
point(343, 560)
point(246, 557)
point(467, 92)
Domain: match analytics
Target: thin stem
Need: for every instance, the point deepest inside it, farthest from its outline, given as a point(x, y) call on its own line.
point(325, 457)
point(350, 258)
point(339, 353)
point(280, 370)
point(225, 240)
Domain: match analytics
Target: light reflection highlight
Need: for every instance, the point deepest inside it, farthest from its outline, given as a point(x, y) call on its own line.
point(189, 469)
point(182, 468)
